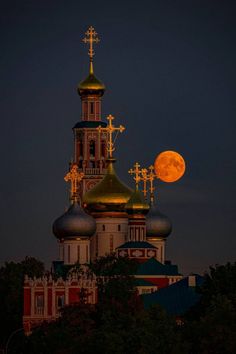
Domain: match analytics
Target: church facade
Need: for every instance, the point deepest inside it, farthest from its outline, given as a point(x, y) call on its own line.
point(104, 216)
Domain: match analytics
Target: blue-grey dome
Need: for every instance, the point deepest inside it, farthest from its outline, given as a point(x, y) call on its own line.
point(157, 224)
point(75, 222)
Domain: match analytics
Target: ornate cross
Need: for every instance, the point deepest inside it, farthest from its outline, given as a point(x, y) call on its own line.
point(110, 129)
point(148, 176)
point(152, 176)
point(136, 172)
point(144, 178)
point(91, 38)
point(74, 176)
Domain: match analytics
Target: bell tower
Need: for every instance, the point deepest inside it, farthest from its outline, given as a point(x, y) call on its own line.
point(90, 143)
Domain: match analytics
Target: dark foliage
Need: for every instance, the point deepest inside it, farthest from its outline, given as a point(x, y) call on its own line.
point(11, 290)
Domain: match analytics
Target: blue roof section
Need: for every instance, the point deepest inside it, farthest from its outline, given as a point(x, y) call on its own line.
point(177, 298)
point(153, 267)
point(142, 282)
point(90, 124)
point(136, 244)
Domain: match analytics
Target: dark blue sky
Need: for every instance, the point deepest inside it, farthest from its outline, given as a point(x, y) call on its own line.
point(169, 69)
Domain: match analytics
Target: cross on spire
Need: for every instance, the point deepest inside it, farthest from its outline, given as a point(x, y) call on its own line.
point(110, 129)
point(74, 176)
point(136, 172)
point(91, 38)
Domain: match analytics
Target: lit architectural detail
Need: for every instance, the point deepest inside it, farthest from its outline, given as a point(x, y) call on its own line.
point(110, 218)
point(136, 172)
point(74, 176)
point(110, 129)
point(91, 38)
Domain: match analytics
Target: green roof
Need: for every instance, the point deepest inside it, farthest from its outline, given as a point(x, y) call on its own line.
point(153, 267)
point(177, 298)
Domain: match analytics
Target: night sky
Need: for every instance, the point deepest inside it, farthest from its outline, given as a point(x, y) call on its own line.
point(169, 69)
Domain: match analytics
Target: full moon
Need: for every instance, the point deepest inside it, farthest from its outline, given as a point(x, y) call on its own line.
point(169, 166)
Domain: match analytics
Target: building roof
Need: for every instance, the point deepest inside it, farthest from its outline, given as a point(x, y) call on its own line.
point(90, 124)
point(136, 244)
point(153, 267)
point(142, 282)
point(177, 298)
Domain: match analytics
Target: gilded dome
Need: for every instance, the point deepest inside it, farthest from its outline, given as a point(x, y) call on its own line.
point(108, 195)
point(75, 222)
point(137, 204)
point(157, 224)
point(91, 85)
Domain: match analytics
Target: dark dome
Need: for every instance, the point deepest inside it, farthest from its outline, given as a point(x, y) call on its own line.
point(74, 223)
point(157, 224)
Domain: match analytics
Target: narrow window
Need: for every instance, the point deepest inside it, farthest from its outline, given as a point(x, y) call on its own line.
point(39, 304)
point(92, 148)
point(78, 253)
point(68, 250)
point(103, 148)
point(111, 243)
point(103, 227)
point(92, 107)
point(118, 227)
point(81, 150)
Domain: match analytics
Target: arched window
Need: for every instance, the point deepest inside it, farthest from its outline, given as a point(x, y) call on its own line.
point(92, 148)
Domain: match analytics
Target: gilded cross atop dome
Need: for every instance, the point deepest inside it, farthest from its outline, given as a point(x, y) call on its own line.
point(148, 175)
point(91, 37)
point(136, 172)
point(110, 129)
point(74, 176)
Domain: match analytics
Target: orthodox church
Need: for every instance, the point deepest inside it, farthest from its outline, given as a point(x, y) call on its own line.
point(104, 215)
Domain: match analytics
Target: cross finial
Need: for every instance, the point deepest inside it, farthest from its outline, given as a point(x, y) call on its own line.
point(152, 176)
point(74, 176)
point(91, 38)
point(136, 172)
point(110, 129)
point(144, 178)
point(148, 175)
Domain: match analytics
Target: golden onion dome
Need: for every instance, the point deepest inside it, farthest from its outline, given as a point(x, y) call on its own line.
point(137, 204)
point(110, 195)
point(91, 85)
